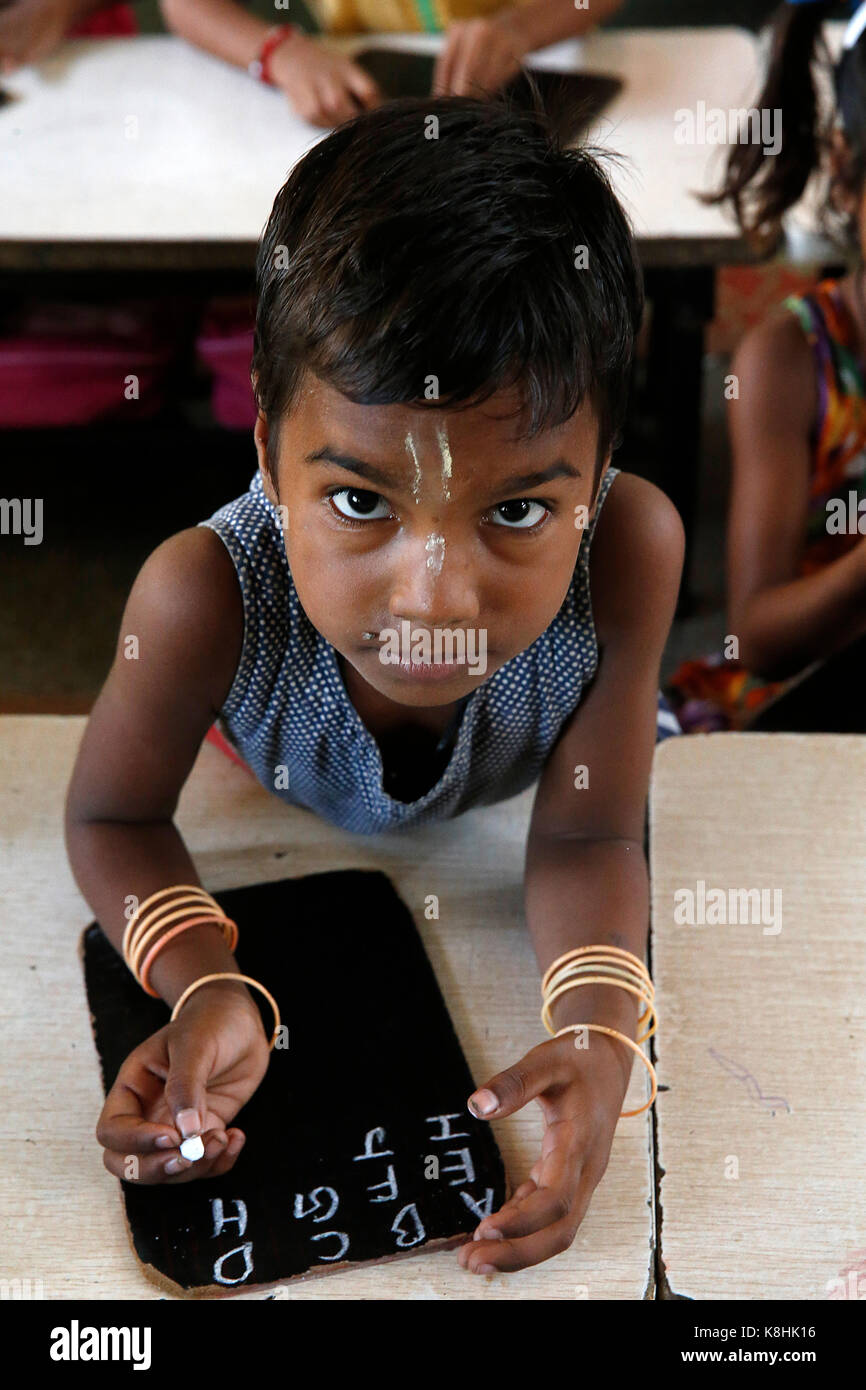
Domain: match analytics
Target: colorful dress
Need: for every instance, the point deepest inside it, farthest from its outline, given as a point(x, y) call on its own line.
point(403, 16)
point(712, 692)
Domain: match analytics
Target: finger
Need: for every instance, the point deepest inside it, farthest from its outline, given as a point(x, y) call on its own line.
point(335, 103)
point(166, 1168)
point(469, 64)
point(226, 1160)
point(362, 86)
point(190, 1064)
point(547, 1066)
point(121, 1125)
point(444, 67)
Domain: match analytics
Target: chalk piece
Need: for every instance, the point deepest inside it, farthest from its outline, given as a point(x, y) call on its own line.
point(193, 1149)
point(359, 1146)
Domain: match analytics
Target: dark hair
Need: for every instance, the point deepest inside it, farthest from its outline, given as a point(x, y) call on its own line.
point(762, 187)
point(390, 257)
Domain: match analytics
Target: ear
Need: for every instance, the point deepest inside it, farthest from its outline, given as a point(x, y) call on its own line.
point(260, 436)
point(842, 191)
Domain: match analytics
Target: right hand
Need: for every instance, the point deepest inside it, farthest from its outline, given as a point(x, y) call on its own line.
point(190, 1078)
point(322, 86)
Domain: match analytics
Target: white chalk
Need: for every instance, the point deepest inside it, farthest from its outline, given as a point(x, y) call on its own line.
point(193, 1149)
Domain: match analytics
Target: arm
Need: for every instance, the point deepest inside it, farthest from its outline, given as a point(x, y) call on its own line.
point(322, 86)
point(483, 54)
point(31, 29)
point(140, 743)
point(783, 623)
point(586, 878)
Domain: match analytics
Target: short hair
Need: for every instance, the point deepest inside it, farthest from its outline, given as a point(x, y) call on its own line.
point(472, 252)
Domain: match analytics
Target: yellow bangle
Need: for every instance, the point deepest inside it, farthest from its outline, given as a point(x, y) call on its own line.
point(155, 897)
point(615, 951)
point(601, 1028)
point(601, 980)
point(230, 975)
point(590, 967)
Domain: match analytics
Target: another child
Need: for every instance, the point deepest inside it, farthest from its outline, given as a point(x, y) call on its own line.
point(443, 341)
point(486, 43)
point(796, 567)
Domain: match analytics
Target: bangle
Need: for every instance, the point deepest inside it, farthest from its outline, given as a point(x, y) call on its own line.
point(260, 67)
point(229, 975)
point(150, 926)
point(585, 950)
point(155, 897)
point(602, 980)
point(231, 940)
point(614, 1033)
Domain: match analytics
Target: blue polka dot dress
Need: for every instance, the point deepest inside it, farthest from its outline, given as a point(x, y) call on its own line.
point(290, 718)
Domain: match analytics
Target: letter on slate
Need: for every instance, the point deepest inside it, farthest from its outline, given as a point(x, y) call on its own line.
point(481, 1209)
point(447, 1132)
point(338, 1235)
point(369, 1152)
point(316, 1203)
point(390, 1183)
point(465, 1166)
point(402, 1235)
point(246, 1248)
point(220, 1220)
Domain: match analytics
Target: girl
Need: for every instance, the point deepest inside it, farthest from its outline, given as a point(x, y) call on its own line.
point(486, 42)
point(796, 564)
point(440, 382)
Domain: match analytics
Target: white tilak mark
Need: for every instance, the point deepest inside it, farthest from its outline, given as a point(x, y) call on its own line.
point(416, 481)
point(445, 451)
point(435, 548)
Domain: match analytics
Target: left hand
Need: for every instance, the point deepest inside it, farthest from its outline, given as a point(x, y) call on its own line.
point(31, 29)
point(581, 1094)
point(479, 55)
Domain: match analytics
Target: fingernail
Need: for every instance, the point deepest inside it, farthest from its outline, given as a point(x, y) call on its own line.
point(483, 1103)
point(188, 1123)
point(164, 1141)
point(486, 1269)
point(491, 1234)
point(176, 1165)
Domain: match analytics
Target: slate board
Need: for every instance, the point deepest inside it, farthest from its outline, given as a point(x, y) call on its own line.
point(573, 99)
point(313, 1190)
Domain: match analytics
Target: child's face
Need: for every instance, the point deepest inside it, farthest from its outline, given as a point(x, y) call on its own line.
point(395, 515)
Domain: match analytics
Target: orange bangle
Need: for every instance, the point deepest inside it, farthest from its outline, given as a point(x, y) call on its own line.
point(585, 950)
point(150, 926)
point(231, 941)
point(601, 980)
point(229, 975)
point(155, 897)
point(601, 1028)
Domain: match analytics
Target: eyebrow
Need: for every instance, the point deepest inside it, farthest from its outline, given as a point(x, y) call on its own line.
point(517, 482)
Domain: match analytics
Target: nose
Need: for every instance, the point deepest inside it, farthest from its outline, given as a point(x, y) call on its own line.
point(434, 583)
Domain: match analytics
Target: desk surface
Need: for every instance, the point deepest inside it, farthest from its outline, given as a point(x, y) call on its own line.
point(761, 1038)
point(143, 149)
point(61, 1212)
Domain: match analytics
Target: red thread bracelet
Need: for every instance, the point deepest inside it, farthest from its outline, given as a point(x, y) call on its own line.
point(260, 67)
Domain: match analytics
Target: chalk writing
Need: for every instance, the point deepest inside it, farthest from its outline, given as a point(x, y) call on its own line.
point(403, 1234)
point(447, 1132)
point(316, 1204)
point(369, 1151)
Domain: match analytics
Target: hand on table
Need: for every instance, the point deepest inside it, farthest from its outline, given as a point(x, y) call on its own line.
point(580, 1092)
point(479, 55)
point(323, 87)
point(30, 29)
point(209, 1061)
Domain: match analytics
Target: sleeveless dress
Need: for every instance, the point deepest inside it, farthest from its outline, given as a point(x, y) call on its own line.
point(712, 692)
point(289, 719)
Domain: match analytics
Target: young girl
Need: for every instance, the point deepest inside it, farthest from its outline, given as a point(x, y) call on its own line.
point(440, 379)
point(487, 40)
point(796, 565)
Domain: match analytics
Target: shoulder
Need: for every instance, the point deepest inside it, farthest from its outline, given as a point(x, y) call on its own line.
point(636, 560)
point(774, 367)
point(187, 601)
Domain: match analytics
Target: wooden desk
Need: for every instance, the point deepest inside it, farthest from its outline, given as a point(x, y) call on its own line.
point(762, 1129)
point(61, 1212)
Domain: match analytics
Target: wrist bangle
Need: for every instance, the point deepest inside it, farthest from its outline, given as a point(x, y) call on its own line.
point(242, 979)
point(260, 67)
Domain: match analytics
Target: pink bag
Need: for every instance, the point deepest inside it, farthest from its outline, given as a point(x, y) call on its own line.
point(225, 345)
point(73, 364)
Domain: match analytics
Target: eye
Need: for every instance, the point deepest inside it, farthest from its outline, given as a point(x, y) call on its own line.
point(521, 514)
point(357, 504)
